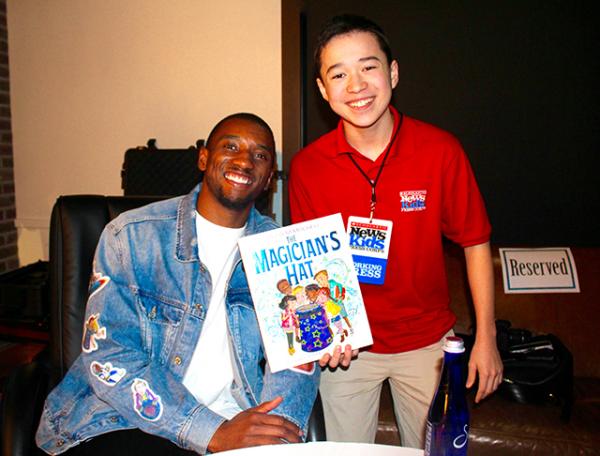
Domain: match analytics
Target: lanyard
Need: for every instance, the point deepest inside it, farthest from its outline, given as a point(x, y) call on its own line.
point(373, 182)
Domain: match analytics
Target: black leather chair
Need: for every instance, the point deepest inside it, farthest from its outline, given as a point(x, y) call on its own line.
point(75, 228)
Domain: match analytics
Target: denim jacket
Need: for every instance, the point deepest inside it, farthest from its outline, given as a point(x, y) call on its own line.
point(149, 294)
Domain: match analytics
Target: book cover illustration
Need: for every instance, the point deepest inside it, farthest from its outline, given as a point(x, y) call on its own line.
point(305, 291)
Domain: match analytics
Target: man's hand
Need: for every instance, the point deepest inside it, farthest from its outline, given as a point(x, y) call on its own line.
point(338, 358)
point(255, 427)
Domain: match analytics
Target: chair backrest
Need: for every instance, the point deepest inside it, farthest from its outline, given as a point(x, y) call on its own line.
point(75, 227)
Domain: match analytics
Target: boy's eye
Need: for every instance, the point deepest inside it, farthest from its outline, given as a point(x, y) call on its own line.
point(337, 76)
point(370, 67)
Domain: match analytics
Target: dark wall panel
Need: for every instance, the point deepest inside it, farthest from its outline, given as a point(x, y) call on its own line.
point(517, 83)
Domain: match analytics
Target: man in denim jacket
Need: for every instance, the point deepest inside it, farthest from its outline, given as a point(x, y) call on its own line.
point(149, 305)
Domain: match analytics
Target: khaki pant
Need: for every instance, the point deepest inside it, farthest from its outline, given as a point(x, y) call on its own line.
point(351, 396)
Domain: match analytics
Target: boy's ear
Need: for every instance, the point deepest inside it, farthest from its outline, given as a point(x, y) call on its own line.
point(322, 89)
point(202, 158)
point(394, 73)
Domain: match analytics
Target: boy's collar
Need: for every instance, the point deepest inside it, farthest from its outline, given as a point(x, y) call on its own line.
point(343, 147)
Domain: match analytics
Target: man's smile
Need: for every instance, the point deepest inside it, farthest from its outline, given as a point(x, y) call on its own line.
point(238, 178)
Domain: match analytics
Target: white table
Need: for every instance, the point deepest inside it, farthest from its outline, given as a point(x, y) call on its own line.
point(325, 449)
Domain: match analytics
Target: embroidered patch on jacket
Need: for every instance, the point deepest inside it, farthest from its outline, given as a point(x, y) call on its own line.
point(106, 373)
point(97, 282)
point(413, 200)
point(91, 333)
point(146, 404)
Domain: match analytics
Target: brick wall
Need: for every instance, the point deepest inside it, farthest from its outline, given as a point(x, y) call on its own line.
point(8, 234)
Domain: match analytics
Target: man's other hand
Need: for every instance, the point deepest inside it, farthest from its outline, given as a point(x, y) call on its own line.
point(255, 427)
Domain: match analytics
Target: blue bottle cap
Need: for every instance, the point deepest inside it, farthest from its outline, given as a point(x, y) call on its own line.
point(453, 344)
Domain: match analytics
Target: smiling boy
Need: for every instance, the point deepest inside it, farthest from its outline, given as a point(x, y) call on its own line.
point(381, 168)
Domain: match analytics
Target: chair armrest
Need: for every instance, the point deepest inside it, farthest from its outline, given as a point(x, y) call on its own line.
point(23, 397)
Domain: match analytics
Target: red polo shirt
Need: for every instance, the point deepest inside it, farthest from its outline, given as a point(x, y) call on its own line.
point(427, 189)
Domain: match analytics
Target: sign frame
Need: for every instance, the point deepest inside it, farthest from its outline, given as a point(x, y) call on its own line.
point(537, 259)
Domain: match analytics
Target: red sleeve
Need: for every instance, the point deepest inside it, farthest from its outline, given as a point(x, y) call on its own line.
point(464, 217)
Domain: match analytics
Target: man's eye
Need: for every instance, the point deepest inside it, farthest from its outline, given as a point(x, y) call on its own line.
point(231, 146)
point(262, 156)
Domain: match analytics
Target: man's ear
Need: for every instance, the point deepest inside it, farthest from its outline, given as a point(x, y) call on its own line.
point(394, 73)
point(202, 158)
point(268, 184)
point(322, 89)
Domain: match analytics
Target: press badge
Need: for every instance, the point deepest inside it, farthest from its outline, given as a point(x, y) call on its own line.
point(370, 246)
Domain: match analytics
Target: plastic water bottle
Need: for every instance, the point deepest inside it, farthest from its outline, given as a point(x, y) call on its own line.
point(448, 419)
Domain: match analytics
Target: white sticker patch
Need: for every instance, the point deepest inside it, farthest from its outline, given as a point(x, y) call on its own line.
point(107, 373)
point(97, 282)
point(146, 403)
point(92, 332)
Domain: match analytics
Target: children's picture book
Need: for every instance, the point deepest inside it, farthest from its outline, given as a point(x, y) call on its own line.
point(305, 291)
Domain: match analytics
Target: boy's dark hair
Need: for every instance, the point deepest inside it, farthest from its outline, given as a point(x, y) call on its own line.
point(348, 23)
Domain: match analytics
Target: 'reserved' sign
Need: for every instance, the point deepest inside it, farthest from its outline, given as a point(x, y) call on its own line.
point(541, 270)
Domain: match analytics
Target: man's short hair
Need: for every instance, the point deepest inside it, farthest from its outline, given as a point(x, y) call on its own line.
point(242, 116)
point(349, 23)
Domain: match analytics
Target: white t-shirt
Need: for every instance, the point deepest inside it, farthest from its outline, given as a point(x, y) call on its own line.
point(210, 373)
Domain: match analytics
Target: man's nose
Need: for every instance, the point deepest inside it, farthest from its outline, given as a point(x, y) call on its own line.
point(244, 158)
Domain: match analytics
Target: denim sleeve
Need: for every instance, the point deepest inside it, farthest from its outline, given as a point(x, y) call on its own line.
point(120, 365)
point(298, 389)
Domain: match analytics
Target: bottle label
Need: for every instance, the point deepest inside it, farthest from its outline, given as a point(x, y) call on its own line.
point(460, 441)
point(440, 439)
